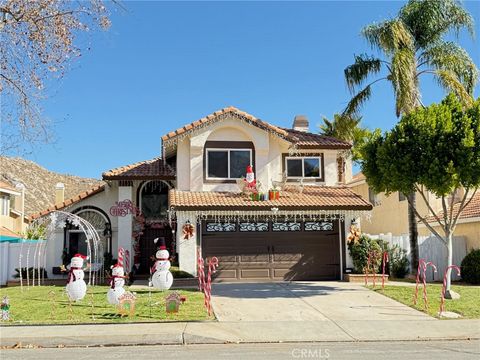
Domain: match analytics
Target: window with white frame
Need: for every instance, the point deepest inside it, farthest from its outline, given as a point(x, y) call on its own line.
point(303, 167)
point(227, 163)
point(5, 205)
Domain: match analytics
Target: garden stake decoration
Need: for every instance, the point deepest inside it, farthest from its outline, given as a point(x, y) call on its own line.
point(371, 261)
point(444, 287)
point(425, 298)
point(5, 307)
point(53, 304)
point(385, 260)
point(419, 268)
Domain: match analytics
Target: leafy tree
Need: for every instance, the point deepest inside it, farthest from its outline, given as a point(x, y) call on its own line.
point(436, 149)
point(38, 41)
point(346, 128)
point(410, 45)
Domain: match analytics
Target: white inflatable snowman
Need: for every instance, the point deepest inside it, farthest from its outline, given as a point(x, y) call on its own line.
point(76, 286)
point(162, 278)
point(116, 284)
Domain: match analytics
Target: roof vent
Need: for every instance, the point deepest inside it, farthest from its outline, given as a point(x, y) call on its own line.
point(300, 123)
point(59, 193)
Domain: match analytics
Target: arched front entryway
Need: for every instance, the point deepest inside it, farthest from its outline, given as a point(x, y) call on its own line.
point(152, 200)
point(75, 238)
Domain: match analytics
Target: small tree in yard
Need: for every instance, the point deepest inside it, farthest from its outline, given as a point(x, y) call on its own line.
point(435, 149)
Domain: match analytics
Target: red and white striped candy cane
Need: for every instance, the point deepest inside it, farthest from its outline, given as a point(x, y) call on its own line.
point(425, 298)
point(444, 287)
point(120, 256)
point(212, 267)
point(374, 261)
point(385, 260)
point(127, 261)
point(420, 266)
point(201, 271)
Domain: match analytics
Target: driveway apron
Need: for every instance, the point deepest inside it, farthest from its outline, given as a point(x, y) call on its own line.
point(306, 301)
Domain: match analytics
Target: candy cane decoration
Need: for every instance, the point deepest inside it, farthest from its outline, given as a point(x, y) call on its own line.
point(212, 268)
point(201, 271)
point(127, 261)
point(420, 266)
point(444, 287)
point(385, 260)
point(425, 298)
point(120, 256)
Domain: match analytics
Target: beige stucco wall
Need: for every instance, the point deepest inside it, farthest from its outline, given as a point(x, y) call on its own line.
point(391, 214)
point(268, 153)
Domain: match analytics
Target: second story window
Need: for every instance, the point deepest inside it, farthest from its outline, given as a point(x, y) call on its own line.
point(227, 163)
point(5, 205)
point(303, 167)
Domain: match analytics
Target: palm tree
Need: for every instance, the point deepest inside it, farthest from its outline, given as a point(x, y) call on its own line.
point(413, 44)
point(346, 128)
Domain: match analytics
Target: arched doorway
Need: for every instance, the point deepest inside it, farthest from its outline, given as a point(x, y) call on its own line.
point(75, 239)
point(153, 203)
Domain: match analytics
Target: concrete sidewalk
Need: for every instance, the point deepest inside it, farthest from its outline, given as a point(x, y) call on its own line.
point(239, 332)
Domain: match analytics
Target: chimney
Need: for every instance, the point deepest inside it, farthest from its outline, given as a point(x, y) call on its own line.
point(300, 123)
point(59, 193)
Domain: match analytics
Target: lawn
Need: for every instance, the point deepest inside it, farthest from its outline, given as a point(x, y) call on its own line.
point(50, 305)
point(467, 305)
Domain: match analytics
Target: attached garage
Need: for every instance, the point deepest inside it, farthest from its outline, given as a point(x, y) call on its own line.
point(309, 250)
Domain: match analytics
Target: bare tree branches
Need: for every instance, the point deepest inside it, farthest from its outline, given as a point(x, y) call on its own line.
point(37, 44)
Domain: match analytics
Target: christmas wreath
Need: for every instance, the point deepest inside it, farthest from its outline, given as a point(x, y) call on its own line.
point(188, 230)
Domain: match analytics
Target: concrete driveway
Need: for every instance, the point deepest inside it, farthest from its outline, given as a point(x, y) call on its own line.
point(305, 301)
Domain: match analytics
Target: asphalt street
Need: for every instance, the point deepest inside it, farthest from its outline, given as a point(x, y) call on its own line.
point(437, 350)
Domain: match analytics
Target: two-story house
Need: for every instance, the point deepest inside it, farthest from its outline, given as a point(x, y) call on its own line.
point(12, 211)
point(192, 196)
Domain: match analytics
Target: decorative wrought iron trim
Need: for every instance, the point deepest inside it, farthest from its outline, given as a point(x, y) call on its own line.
point(220, 227)
point(253, 226)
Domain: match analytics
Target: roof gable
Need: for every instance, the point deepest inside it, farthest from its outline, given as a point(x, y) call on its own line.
point(298, 139)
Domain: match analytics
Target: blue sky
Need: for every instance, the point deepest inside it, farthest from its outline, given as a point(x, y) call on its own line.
point(165, 64)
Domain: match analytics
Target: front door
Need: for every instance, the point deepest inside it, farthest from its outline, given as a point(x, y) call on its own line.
point(148, 248)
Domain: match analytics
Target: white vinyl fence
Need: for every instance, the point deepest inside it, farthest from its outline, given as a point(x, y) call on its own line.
point(431, 249)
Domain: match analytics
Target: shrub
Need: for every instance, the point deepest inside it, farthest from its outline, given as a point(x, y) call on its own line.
point(359, 251)
point(470, 268)
point(30, 273)
point(398, 264)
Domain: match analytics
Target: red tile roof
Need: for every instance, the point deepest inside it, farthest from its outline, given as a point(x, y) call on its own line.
point(312, 198)
point(305, 140)
point(472, 210)
point(213, 117)
point(302, 139)
point(7, 186)
point(97, 189)
point(143, 170)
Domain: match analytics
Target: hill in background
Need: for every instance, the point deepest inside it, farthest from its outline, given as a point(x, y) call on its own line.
point(40, 182)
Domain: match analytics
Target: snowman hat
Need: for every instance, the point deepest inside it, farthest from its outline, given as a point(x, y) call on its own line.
point(161, 241)
point(249, 169)
point(81, 256)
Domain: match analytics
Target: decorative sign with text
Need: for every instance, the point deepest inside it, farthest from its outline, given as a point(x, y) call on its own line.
point(123, 208)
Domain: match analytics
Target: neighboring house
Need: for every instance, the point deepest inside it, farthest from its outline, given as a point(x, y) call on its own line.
point(468, 224)
point(12, 216)
point(195, 186)
point(390, 213)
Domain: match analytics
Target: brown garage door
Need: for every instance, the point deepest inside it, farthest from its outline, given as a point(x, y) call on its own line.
point(278, 250)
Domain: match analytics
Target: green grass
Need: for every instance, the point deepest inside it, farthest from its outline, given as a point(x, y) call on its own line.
point(50, 305)
point(468, 305)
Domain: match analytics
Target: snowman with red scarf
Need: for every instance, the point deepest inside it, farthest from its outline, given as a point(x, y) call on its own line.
point(162, 278)
point(117, 282)
point(76, 286)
